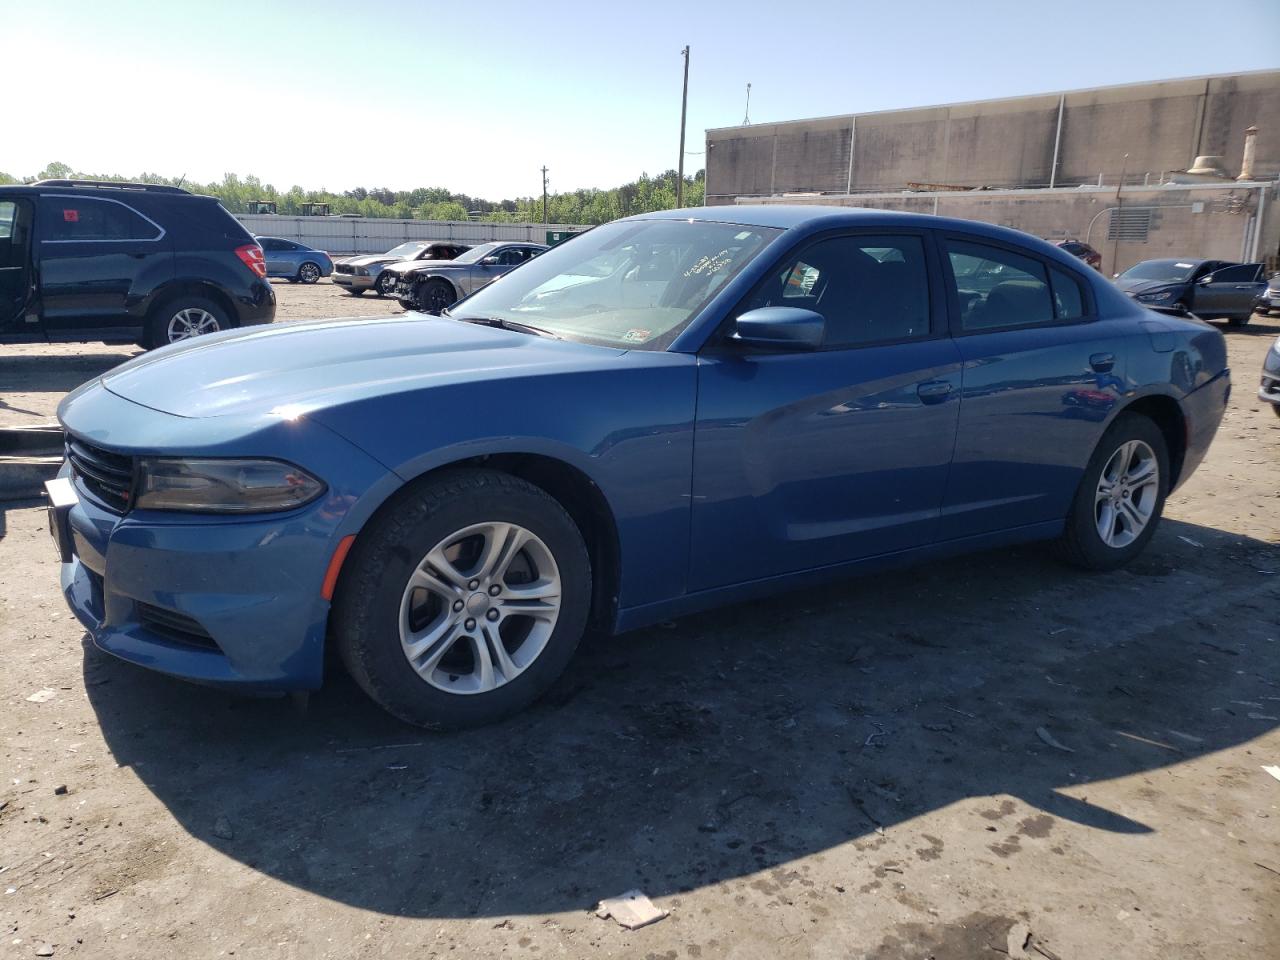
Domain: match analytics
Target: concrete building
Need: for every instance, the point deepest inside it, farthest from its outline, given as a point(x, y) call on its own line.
point(1113, 165)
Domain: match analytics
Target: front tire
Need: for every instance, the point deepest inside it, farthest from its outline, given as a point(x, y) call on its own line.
point(436, 295)
point(386, 284)
point(1121, 496)
point(183, 318)
point(463, 600)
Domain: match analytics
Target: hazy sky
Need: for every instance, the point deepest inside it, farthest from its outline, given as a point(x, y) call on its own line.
point(477, 96)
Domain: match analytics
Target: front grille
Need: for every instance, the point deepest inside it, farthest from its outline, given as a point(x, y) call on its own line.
point(344, 268)
point(107, 476)
point(176, 626)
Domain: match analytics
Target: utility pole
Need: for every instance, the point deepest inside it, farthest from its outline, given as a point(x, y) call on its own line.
point(746, 114)
point(1115, 246)
point(544, 196)
point(684, 104)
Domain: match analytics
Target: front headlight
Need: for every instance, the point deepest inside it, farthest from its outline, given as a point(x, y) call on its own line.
point(223, 486)
point(362, 271)
point(1155, 297)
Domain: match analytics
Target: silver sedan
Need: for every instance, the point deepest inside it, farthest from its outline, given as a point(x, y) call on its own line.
point(434, 286)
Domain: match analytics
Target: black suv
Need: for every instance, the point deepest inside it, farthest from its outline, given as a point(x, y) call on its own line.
point(90, 260)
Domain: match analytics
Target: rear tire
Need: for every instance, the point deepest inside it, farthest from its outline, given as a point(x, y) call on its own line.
point(424, 599)
point(356, 291)
point(1239, 321)
point(1101, 504)
point(184, 317)
point(308, 272)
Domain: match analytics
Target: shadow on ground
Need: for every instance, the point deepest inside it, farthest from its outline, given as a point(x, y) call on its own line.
point(730, 742)
point(44, 373)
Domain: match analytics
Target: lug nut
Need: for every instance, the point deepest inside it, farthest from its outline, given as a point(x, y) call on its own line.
point(457, 605)
point(473, 585)
point(470, 624)
point(494, 590)
point(492, 614)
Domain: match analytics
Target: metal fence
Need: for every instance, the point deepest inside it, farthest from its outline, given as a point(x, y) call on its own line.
point(348, 235)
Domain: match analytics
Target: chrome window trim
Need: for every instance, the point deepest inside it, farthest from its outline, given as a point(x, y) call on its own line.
point(76, 196)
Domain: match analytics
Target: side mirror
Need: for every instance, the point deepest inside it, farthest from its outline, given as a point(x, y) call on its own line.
point(1205, 280)
point(786, 328)
point(1115, 276)
point(489, 261)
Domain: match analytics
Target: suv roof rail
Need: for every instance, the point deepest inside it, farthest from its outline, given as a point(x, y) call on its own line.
point(112, 185)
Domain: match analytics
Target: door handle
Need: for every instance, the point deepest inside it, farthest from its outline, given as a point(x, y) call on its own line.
point(933, 391)
point(1102, 362)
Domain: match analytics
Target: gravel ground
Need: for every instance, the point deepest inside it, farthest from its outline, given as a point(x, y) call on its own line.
point(927, 763)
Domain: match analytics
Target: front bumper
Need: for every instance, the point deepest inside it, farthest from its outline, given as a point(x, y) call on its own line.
point(354, 281)
point(226, 603)
point(1270, 387)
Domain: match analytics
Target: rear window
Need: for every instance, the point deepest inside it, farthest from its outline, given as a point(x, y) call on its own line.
point(72, 219)
point(214, 217)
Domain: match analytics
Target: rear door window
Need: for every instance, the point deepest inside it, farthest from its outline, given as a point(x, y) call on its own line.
point(88, 219)
point(997, 288)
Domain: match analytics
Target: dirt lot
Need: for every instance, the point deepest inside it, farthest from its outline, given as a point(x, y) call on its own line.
point(904, 766)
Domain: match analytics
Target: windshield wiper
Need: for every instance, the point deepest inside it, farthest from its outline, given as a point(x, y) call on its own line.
point(514, 325)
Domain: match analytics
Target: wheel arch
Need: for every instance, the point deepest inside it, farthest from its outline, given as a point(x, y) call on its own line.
point(571, 487)
point(200, 288)
point(1166, 413)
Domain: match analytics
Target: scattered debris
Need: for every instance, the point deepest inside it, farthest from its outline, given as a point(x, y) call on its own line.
point(106, 893)
point(1019, 937)
point(971, 716)
point(1214, 646)
point(1274, 771)
point(1267, 866)
point(503, 924)
point(382, 746)
point(42, 696)
point(632, 910)
point(60, 790)
point(1194, 543)
point(871, 736)
point(222, 829)
point(1254, 715)
point(1054, 633)
point(938, 727)
point(1186, 736)
point(1049, 738)
point(1045, 952)
point(44, 950)
point(1125, 690)
point(862, 808)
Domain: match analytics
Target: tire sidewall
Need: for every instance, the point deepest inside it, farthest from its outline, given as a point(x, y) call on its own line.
point(388, 553)
point(435, 283)
point(302, 276)
point(1097, 554)
point(158, 325)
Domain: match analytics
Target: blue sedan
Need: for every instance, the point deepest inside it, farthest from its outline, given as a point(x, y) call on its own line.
point(664, 414)
point(293, 261)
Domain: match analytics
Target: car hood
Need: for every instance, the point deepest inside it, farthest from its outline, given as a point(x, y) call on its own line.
point(1148, 286)
point(292, 369)
point(369, 261)
point(404, 266)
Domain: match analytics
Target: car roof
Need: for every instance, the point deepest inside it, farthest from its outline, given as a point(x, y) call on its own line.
point(1191, 260)
point(823, 217)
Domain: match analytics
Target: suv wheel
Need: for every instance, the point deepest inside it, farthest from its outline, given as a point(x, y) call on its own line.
point(184, 318)
point(463, 601)
point(309, 272)
point(386, 284)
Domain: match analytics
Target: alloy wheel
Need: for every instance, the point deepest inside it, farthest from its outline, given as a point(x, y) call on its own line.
point(480, 607)
point(436, 297)
point(386, 283)
point(1127, 494)
point(190, 322)
point(308, 273)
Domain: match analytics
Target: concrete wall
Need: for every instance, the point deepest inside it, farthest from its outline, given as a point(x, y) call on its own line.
point(1162, 127)
point(1194, 221)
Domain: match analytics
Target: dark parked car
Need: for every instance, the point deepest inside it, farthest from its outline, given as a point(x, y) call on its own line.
point(293, 261)
point(667, 413)
point(1082, 251)
point(434, 286)
point(1269, 298)
point(1211, 289)
point(82, 260)
point(359, 274)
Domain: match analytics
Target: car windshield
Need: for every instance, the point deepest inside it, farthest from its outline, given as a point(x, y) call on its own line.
point(1170, 270)
point(633, 284)
point(406, 251)
point(476, 254)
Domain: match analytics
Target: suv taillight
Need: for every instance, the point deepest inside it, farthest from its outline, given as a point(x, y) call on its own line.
point(252, 256)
